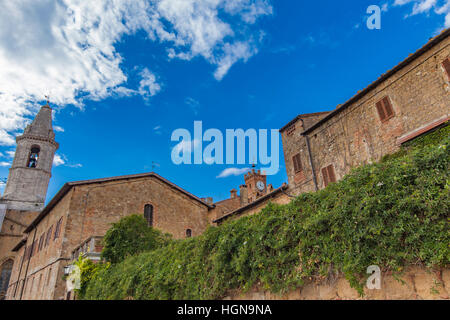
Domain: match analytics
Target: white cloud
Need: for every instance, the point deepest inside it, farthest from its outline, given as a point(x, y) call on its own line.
point(10, 153)
point(58, 129)
point(5, 164)
point(66, 48)
point(233, 172)
point(61, 160)
point(148, 86)
point(193, 104)
point(427, 6)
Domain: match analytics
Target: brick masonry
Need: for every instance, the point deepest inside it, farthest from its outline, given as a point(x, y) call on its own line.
point(415, 283)
point(420, 97)
point(88, 210)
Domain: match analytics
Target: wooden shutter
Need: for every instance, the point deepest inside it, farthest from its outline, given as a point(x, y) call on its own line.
point(446, 65)
point(41, 241)
point(331, 175)
point(380, 110)
point(328, 175)
point(58, 229)
point(297, 163)
point(49, 234)
point(384, 108)
point(388, 107)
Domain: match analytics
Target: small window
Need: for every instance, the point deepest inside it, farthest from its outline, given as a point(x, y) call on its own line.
point(328, 175)
point(148, 214)
point(33, 249)
point(58, 229)
point(446, 65)
point(290, 130)
point(34, 157)
point(48, 276)
point(385, 110)
point(49, 235)
point(41, 241)
point(297, 163)
point(188, 233)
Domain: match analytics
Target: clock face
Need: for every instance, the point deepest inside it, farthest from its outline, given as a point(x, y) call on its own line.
point(260, 185)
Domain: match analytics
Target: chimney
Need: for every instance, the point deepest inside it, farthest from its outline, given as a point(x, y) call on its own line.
point(233, 194)
point(243, 193)
point(208, 200)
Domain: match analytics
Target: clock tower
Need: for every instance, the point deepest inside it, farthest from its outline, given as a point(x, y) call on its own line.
point(256, 184)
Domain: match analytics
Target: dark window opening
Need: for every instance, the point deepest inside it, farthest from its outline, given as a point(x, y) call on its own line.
point(328, 175)
point(5, 275)
point(41, 241)
point(148, 214)
point(58, 229)
point(34, 157)
point(49, 234)
point(298, 167)
point(385, 110)
point(290, 131)
point(188, 233)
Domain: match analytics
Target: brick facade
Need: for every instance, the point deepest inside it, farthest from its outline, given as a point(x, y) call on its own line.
point(418, 91)
point(89, 208)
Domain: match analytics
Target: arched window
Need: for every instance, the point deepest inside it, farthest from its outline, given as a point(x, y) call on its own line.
point(34, 157)
point(148, 214)
point(5, 274)
point(188, 233)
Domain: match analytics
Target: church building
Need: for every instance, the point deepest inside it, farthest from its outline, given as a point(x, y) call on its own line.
point(38, 242)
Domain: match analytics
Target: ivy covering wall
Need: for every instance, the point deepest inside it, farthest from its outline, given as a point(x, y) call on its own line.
point(392, 214)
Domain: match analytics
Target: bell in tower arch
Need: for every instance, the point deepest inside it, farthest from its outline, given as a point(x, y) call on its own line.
point(34, 156)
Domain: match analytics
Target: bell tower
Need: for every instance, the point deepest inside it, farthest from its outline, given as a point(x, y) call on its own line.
point(256, 184)
point(30, 172)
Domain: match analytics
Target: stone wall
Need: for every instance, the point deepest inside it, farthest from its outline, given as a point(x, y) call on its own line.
point(420, 98)
point(415, 283)
point(89, 210)
point(295, 143)
point(40, 276)
point(14, 224)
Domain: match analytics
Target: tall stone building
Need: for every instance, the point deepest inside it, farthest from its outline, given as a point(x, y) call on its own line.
point(26, 187)
point(31, 170)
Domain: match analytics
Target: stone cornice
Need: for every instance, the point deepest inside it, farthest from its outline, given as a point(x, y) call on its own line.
point(38, 138)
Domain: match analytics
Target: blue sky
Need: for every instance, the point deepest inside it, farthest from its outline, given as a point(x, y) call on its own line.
point(120, 88)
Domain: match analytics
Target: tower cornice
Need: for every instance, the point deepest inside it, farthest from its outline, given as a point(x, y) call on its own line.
point(37, 138)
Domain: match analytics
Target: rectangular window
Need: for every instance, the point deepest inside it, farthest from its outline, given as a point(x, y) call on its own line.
point(48, 276)
point(33, 249)
point(58, 229)
point(446, 65)
point(41, 241)
point(49, 234)
point(297, 163)
point(328, 175)
point(385, 110)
